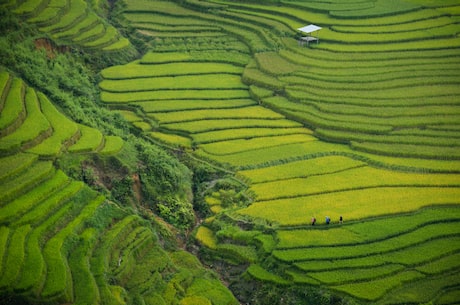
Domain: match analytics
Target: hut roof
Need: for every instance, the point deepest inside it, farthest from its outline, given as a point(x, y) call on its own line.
point(309, 28)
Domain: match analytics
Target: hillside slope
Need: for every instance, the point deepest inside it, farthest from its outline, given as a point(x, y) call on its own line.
point(62, 241)
point(361, 127)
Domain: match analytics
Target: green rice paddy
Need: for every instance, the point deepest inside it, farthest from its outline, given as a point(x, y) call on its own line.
point(362, 125)
point(72, 22)
point(377, 100)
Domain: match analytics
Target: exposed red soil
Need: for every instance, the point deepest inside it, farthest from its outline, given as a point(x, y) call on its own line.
point(51, 49)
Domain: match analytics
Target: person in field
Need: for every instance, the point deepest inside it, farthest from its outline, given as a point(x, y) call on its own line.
point(313, 221)
point(328, 220)
point(341, 219)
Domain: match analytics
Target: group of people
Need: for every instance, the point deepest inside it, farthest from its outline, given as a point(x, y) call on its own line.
point(328, 220)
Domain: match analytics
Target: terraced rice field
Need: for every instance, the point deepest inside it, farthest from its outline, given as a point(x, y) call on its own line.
point(62, 242)
point(71, 22)
point(31, 123)
point(363, 125)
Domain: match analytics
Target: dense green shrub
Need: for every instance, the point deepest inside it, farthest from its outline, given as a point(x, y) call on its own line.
point(176, 211)
point(166, 185)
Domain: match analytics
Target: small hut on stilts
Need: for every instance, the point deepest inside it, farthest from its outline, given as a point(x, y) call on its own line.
point(308, 30)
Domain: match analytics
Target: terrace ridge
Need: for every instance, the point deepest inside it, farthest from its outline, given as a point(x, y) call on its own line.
point(73, 36)
point(8, 124)
point(5, 89)
point(56, 29)
point(42, 22)
point(35, 11)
